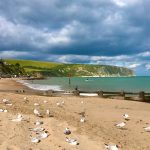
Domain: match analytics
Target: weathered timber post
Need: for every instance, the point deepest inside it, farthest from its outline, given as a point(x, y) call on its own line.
point(48, 93)
point(142, 95)
point(76, 92)
point(123, 94)
point(100, 93)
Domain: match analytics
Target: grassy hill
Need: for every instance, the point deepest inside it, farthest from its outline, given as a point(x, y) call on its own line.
point(60, 69)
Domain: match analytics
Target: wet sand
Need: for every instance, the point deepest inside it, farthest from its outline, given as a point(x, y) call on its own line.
point(101, 115)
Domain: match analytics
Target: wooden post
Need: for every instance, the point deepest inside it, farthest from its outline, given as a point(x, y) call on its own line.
point(76, 92)
point(100, 93)
point(142, 95)
point(122, 94)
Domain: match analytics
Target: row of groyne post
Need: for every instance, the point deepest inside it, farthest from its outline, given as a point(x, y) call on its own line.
point(138, 96)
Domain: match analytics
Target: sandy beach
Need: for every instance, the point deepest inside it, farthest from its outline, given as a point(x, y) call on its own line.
point(99, 128)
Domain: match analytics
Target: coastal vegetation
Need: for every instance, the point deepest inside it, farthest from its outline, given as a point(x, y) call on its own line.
point(11, 70)
point(40, 68)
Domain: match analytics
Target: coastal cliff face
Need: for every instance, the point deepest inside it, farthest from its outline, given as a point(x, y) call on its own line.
point(59, 69)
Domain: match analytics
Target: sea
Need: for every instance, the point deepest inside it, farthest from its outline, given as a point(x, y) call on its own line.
point(128, 84)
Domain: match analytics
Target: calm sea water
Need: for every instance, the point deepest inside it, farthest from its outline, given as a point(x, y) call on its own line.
point(131, 84)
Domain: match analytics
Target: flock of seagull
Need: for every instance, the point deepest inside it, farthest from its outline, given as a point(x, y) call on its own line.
point(41, 133)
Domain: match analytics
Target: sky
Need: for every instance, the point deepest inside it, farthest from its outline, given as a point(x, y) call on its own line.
point(111, 32)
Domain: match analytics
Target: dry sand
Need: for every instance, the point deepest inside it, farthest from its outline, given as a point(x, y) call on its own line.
point(101, 115)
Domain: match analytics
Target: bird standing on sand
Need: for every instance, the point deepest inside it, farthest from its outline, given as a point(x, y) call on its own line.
point(37, 113)
point(111, 147)
point(82, 120)
point(147, 129)
point(48, 112)
point(72, 141)
point(120, 125)
point(43, 135)
point(18, 118)
point(67, 131)
point(35, 140)
point(37, 123)
point(126, 117)
point(37, 129)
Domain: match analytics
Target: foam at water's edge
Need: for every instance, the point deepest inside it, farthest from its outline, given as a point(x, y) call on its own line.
point(40, 86)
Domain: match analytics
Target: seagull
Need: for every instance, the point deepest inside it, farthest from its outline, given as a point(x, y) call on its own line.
point(121, 125)
point(3, 110)
point(37, 129)
point(25, 98)
point(60, 104)
point(36, 104)
point(47, 112)
point(111, 147)
point(38, 123)
point(37, 113)
point(45, 101)
point(35, 140)
point(126, 117)
point(67, 131)
point(18, 118)
point(82, 119)
point(43, 135)
point(147, 129)
point(7, 102)
point(72, 141)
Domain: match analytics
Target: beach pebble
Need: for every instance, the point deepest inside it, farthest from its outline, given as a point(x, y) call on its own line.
point(67, 131)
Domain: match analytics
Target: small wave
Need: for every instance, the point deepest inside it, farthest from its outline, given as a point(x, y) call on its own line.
point(41, 86)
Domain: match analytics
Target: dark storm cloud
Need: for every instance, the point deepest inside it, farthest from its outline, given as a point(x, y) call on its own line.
point(66, 30)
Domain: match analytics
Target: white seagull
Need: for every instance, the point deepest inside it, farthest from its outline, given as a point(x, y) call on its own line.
point(147, 129)
point(3, 110)
point(36, 104)
point(126, 117)
point(37, 113)
point(43, 135)
point(35, 140)
point(67, 131)
point(72, 141)
point(111, 147)
point(48, 112)
point(18, 118)
point(7, 102)
point(120, 125)
point(82, 120)
point(37, 129)
point(38, 123)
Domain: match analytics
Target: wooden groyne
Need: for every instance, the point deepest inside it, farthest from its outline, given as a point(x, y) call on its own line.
point(138, 96)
